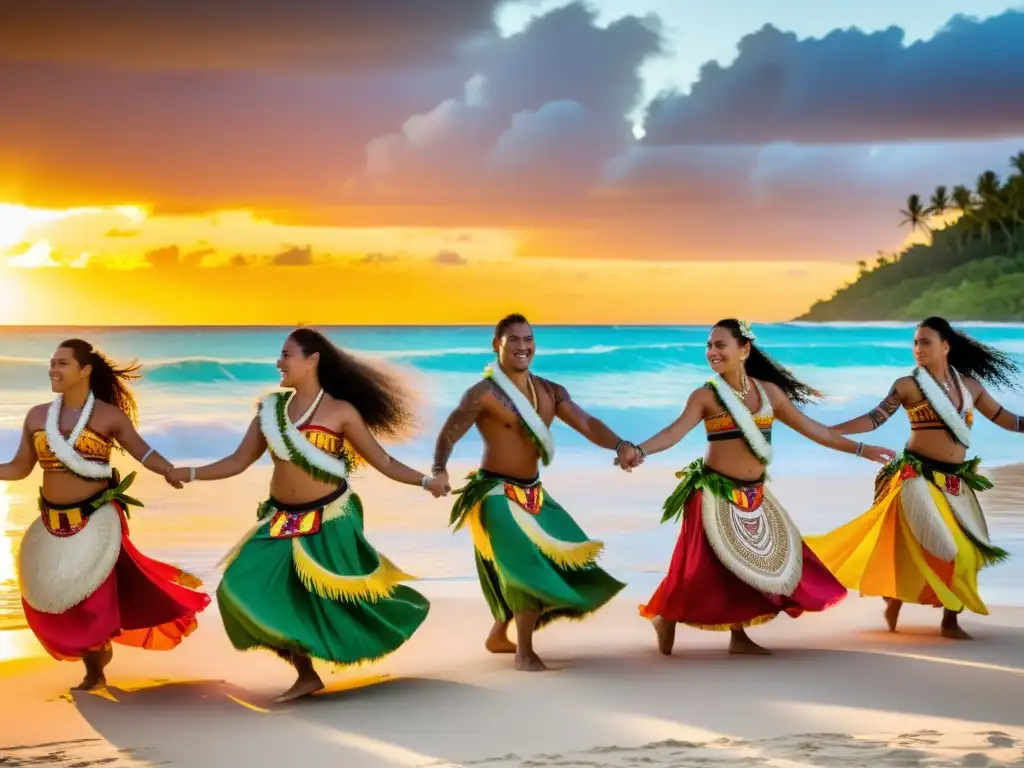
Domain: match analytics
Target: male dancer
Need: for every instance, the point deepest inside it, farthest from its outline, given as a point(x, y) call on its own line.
point(534, 562)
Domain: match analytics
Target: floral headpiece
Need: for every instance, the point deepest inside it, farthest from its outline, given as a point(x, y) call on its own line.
point(745, 330)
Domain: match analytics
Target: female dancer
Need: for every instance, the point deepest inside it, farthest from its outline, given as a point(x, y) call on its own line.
point(83, 583)
point(925, 538)
point(740, 559)
point(304, 582)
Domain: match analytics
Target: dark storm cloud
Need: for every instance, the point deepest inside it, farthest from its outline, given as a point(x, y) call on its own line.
point(965, 82)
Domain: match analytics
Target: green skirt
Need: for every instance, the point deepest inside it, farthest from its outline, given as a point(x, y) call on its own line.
point(530, 554)
point(305, 579)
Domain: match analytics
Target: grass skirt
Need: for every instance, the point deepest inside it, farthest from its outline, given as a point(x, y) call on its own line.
point(85, 585)
point(530, 554)
point(739, 560)
point(305, 579)
point(923, 541)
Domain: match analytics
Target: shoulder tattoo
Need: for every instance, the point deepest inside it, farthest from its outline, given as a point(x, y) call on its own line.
point(885, 409)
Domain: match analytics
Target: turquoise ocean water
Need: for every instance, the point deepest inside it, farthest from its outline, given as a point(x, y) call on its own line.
point(201, 384)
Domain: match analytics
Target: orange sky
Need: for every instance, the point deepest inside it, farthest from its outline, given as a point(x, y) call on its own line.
point(589, 162)
point(114, 266)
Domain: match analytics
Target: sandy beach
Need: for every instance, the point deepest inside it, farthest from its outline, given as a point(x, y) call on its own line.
point(839, 689)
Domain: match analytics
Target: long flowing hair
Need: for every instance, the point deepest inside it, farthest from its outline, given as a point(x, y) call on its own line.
point(107, 382)
point(760, 366)
point(381, 399)
point(972, 358)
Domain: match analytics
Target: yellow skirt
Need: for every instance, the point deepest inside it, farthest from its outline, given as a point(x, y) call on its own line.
point(878, 553)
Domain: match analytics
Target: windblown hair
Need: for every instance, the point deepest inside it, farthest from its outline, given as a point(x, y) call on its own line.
point(972, 358)
point(381, 399)
point(107, 381)
point(760, 366)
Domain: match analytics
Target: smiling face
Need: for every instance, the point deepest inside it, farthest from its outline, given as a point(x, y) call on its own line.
point(66, 372)
point(724, 352)
point(929, 348)
point(294, 365)
point(515, 349)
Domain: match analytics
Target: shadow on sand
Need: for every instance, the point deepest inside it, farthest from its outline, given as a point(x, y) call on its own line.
point(697, 699)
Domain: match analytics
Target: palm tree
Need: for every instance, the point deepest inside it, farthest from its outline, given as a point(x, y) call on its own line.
point(994, 208)
point(940, 202)
point(963, 201)
point(915, 214)
point(1017, 163)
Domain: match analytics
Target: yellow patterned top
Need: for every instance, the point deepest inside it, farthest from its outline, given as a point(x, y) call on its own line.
point(923, 416)
point(326, 440)
point(90, 445)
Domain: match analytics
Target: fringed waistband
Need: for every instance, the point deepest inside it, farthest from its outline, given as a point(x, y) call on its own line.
point(698, 476)
point(115, 492)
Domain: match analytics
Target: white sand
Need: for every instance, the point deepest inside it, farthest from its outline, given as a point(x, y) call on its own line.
point(838, 691)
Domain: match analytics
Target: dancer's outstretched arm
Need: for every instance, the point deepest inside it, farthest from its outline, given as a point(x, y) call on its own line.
point(129, 439)
point(471, 406)
point(990, 408)
point(591, 427)
point(691, 416)
point(788, 414)
point(248, 451)
point(357, 433)
point(24, 459)
point(880, 414)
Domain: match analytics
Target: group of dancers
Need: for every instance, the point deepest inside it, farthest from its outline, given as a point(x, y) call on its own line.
point(305, 583)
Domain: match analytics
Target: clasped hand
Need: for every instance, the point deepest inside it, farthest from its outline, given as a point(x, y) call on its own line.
point(628, 457)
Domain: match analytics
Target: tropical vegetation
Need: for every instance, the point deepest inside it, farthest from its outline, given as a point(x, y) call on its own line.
point(969, 269)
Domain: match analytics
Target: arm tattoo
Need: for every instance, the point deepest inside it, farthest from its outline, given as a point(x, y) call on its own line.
point(457, 425)
point(885, 409)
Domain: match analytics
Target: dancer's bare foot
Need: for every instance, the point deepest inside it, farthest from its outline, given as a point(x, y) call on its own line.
point(529, 662)
point(951, 629)
point(741, 645)
point(892, 612)
point(95, 663)
point(304, 686)
point(497, 640)
point(666, 631)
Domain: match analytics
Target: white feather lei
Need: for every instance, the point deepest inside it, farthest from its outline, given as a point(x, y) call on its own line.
point(743, 418)
point(64, 449)
point(303, 448)
point(943, 406)
point(525, 408)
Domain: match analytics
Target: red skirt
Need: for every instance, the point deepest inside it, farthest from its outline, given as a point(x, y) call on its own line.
point(700, 591)
point(143, 603)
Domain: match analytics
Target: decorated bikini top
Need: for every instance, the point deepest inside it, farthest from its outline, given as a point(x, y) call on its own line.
point(738, 421)
point(938, 406)
point(527, 411)
point(84, 453)
point(315, 451)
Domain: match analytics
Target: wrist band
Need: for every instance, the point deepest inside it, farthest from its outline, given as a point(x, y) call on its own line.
point(148, 454)
point(860, 448)
point(191, 474)
point(424, 481)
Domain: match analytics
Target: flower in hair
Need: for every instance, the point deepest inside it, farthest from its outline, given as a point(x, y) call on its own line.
point(745, 330)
